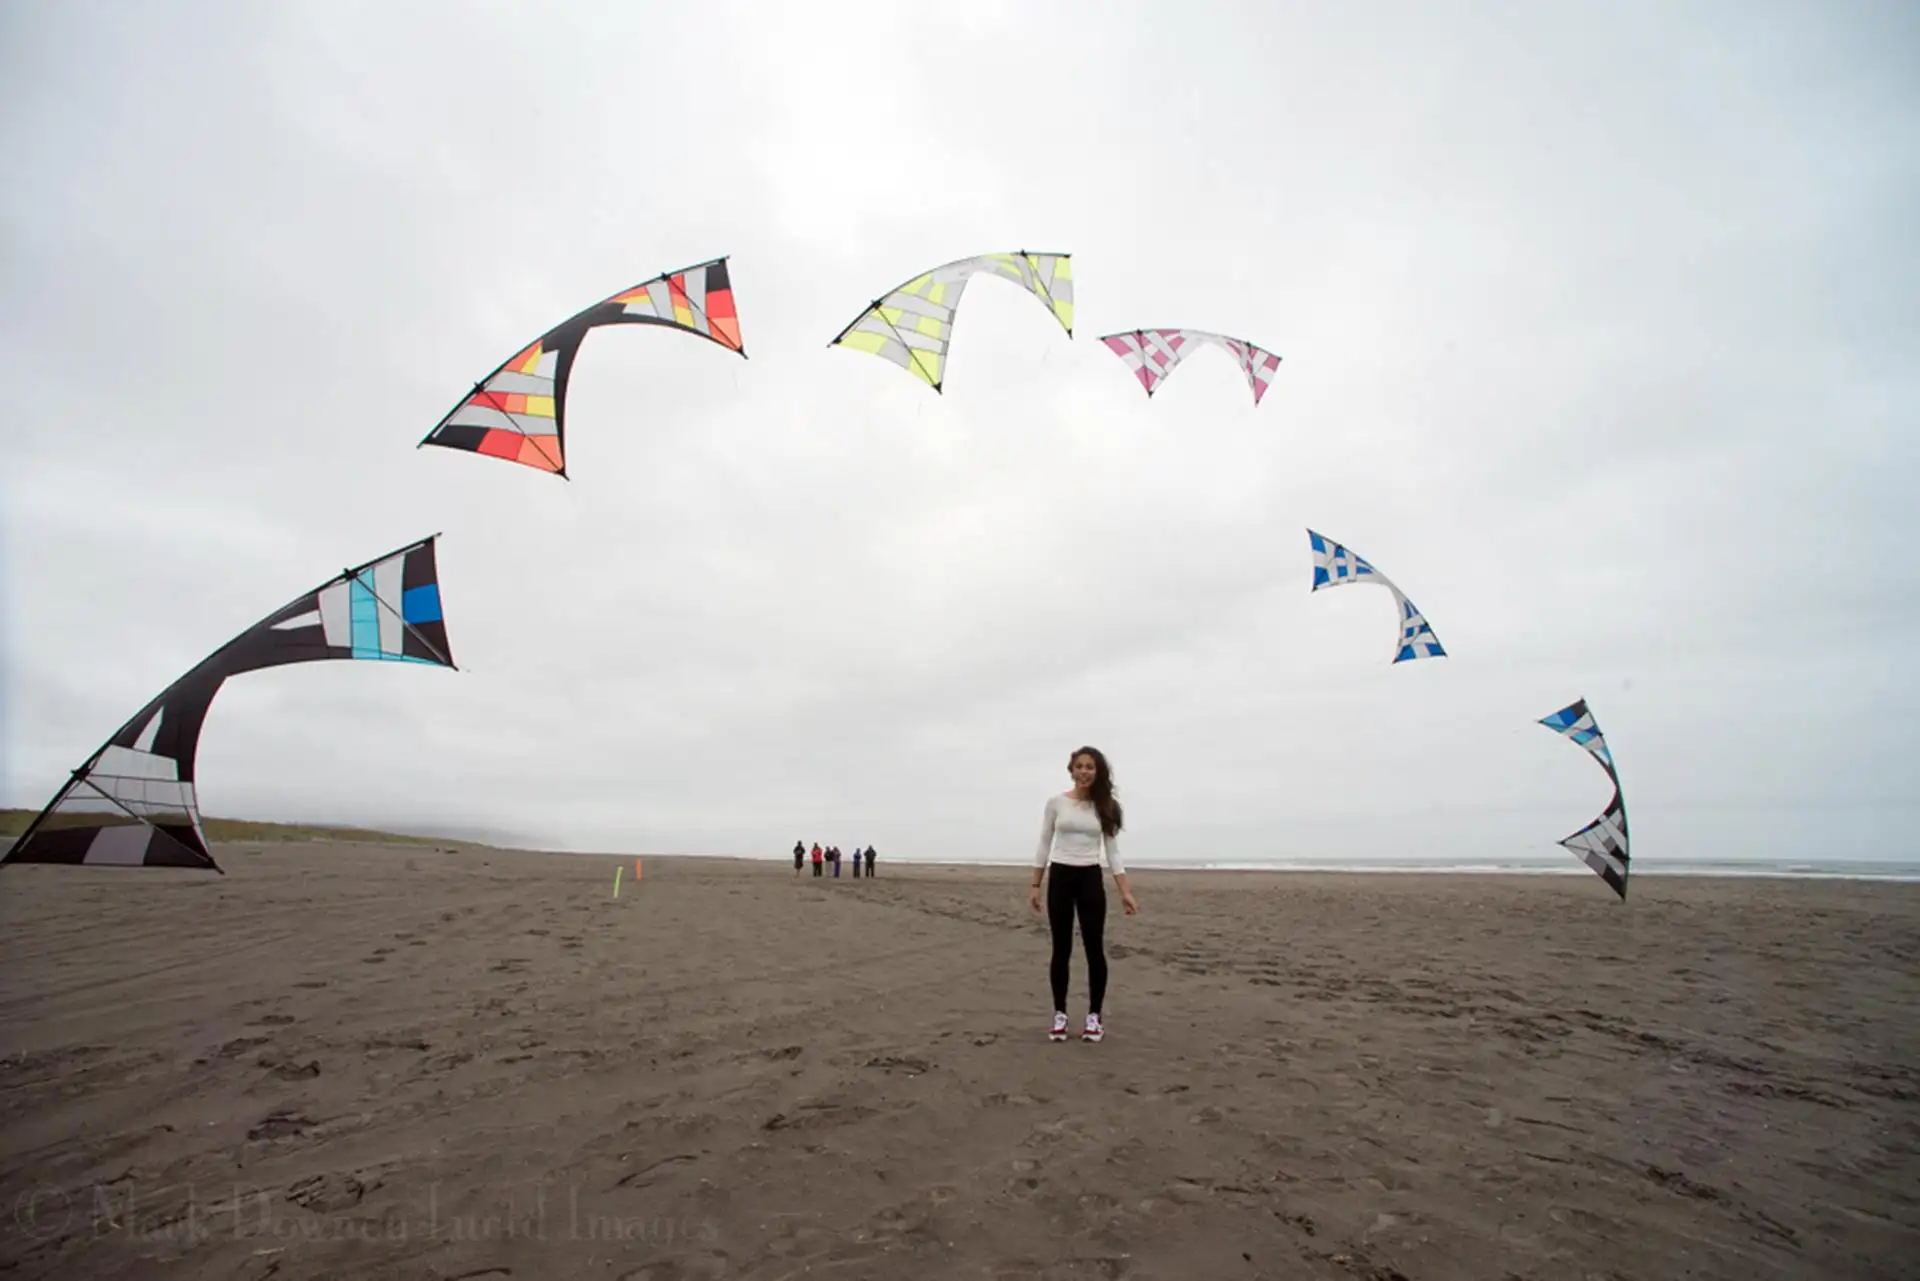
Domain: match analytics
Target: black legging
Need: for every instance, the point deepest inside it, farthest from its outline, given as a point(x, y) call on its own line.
point(1084, 888)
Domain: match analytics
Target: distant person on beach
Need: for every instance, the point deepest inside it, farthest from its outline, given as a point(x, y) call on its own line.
point(818, 855)
point(1077, 829)
point(799, 857)
point(869, 862)
point(856, 863)
point(833, 852)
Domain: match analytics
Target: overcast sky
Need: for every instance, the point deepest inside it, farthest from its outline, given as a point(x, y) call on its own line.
point(1601, 337)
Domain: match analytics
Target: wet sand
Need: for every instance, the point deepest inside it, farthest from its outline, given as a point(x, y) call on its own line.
point(382, 1062)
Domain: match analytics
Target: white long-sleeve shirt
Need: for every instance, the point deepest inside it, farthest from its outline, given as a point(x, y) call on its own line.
point(1070, 834)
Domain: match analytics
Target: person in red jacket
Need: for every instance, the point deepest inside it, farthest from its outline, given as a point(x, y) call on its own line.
point(819, 856)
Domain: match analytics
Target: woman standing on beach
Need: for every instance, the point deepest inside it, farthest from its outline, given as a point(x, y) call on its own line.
point(1077, 829)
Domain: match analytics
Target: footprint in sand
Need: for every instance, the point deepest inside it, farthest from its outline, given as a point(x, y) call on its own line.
point(394, 1043)
point(311, 983)
point(275, 1020)
point(281, 1123)
point(239, 1045)
point(286, 1069)
point(707, 1266)
point(328, 1193)
point(1025, 1183)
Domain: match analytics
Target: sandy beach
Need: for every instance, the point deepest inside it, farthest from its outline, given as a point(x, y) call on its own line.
point(383, 1062)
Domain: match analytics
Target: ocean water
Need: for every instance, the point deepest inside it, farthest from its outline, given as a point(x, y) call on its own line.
point(1903, 870)
point(1861, 871)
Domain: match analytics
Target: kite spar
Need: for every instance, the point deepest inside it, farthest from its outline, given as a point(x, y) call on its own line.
point(518, 412)
point(1601, 844)
point(1335, 566)
point(133, 804)
point(913, 324)
point(1152, 354)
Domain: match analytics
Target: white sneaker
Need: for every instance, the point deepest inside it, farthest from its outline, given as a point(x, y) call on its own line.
point(1059, 1032)
point(1093, 1031)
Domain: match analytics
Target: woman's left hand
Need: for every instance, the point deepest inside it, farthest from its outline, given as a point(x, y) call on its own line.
point(1126, 901)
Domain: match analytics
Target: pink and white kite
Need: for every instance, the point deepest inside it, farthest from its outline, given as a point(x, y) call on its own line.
point(1152, 353)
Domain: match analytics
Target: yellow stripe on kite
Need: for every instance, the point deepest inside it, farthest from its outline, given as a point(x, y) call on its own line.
point(925, 365)
point(865, 340)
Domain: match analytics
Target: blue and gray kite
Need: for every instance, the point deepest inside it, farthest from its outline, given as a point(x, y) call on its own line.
point(1335, 566)
point(1601, 844)
point(134, 802)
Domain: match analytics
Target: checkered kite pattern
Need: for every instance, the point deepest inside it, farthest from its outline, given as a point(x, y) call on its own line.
point(1602, 844)
point(1335, 566)
point(1152, 354)
point(518, 412)
point(132, 804)
point(913, 324)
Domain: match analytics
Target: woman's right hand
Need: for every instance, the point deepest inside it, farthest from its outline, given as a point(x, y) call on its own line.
point(1033, 899)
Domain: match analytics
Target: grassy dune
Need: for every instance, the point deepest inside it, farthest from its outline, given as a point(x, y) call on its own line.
point(219, 830)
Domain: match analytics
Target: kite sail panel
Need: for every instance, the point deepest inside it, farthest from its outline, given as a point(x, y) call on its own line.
point(913, 324)
point(1335, 566)
point(132, 803)
point(1152, 354)
point(518, 412)
point(1602, 844)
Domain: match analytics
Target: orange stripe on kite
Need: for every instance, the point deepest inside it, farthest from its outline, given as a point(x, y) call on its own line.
point(528, 361)
point(500, 443)
point(540, 451)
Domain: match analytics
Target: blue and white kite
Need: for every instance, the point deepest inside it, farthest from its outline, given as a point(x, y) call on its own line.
point(1601, 844)
point(1335, 566)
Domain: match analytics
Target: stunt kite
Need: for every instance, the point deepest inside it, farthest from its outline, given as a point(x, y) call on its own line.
point(913, 325)
point(132, 804)
point(518, 412)
point(1152, 353)
point(1335, 566)
point(1601, 844)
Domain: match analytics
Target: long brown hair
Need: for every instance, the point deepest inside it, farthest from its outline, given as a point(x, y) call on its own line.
point(1105, 804)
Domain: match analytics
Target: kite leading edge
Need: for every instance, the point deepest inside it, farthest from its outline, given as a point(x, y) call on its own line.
point(132, 803)
point(518, 412)
point(1602, 844)
point(1335, 566)
point(912, 325)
